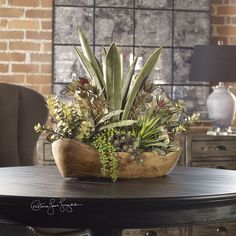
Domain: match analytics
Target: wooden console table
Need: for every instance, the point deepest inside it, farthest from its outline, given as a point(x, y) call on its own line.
point(39, 196)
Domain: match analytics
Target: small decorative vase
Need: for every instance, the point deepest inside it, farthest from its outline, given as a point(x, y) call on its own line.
point(75, 159)
point(221, 107)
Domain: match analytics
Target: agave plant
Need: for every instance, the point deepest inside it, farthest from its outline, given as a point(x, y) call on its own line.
point(118, 92)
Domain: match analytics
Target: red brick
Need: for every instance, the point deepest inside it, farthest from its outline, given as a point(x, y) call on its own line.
point(46, 24)
point(24, 3)
point(4, 68)
point(46, 90)
point(232, 40)
point(12, 78)
point(233, 20)
point(41, 57)
point(11, 12)
point(38, 79)
point(46, 69)
point(28, 46)
point(23, 24)
point(11, 34)
point(3, 46)
point(228, 20)
point(226, 30)
point(3, 23)
point(12, 56)
point(39, 13)
point(38, 35)
point(47, 47)
point(25, 68)
point(46, 3)
point(217, 1)
point(226, 10)
point(217, 19)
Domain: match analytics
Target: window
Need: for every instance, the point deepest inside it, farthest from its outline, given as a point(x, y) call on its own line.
point(138, 26)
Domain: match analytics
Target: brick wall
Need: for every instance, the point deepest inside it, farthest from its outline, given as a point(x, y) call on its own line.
point(224, 25)
point(224, 21)
point(25, 43)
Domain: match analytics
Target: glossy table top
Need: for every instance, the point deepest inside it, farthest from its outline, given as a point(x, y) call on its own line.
point(47, 199)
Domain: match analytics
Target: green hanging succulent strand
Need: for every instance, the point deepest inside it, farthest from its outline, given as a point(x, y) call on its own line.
point(107, 153)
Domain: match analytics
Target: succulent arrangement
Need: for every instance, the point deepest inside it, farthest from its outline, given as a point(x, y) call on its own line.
point(113, 112)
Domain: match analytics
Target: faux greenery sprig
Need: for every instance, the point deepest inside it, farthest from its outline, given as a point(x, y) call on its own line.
point(68, 120)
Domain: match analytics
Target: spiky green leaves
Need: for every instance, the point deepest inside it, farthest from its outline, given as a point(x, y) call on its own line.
point(118, 92)
point(153, 134)
point(128, 79)
point(89, 61)
point(112, 70)
point(162, 122)
point(139, 80)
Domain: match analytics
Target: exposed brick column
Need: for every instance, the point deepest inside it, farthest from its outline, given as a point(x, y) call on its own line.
point(224, 26)
point(25, 43)
point(224, 21)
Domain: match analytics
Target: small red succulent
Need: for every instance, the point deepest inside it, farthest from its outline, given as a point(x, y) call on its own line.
point(83, 80)
point(161, 102)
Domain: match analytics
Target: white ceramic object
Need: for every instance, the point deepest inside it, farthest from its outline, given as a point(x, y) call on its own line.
point(221, 107)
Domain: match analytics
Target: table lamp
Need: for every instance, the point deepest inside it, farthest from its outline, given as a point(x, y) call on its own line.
point(216, 63)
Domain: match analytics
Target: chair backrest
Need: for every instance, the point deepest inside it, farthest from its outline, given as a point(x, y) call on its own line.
point(20, 109)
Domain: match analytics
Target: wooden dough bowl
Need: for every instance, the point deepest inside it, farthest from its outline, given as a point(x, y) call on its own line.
point(75, 159)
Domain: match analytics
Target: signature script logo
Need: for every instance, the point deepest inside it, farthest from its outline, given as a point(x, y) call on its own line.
point(52, 205)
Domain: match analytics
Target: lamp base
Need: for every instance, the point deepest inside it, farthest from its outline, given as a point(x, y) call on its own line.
point(221, 109)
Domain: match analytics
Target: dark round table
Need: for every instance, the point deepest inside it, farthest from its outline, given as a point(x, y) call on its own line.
point(40, 197)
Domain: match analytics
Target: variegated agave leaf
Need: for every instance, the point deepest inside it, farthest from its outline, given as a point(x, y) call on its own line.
point(122, 123)
point(109, 115)
point(140, 78)
point(88, 53)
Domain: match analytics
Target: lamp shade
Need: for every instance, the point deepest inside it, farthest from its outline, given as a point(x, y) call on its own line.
point(213, 63)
